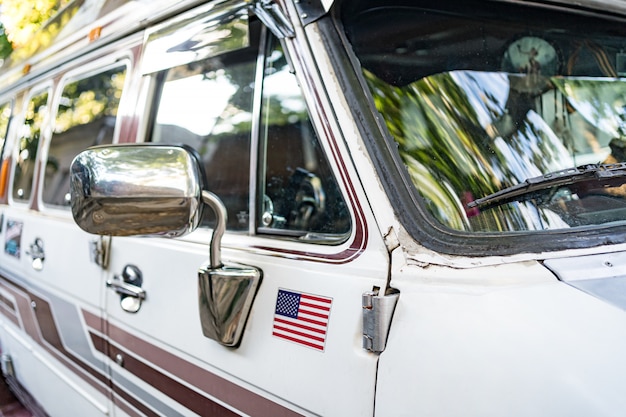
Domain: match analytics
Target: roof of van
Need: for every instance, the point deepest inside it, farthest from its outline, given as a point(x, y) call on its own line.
point(80, 23)
point(77, 24)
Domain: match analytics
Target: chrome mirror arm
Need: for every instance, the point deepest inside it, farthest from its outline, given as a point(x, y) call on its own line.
point(221, 216)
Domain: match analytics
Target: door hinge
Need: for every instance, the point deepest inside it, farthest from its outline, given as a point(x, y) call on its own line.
point(99, 251)
point(273, 17)
point(377, 314)
point(309, 10)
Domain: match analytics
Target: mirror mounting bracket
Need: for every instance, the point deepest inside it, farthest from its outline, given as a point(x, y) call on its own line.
point(225, 293)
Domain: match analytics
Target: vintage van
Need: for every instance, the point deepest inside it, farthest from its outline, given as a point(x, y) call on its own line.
point(316, 207)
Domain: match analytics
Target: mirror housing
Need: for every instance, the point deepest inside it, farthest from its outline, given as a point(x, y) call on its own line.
point(130, 190)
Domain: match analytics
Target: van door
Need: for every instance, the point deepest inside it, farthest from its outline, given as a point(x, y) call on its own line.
point(52, 272)
point(295, 213)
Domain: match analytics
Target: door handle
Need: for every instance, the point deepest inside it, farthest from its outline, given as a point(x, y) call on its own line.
point(37, 254)
point(125, 289)
point(128, 286)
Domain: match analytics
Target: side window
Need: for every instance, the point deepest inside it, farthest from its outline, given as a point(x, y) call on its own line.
point(6, 110)
point(208, 105)
point(300, 195)
point(28, 142)
point(85, 117)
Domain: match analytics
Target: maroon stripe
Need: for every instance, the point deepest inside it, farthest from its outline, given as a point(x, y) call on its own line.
point(8, 308)
point(43, 323)
point(51, 335)
point(173, 389)
point(9, 315)
point(100, 344)
point(133, 402)
point(47, 326)
point(24, 308)
point(93, 321)
point(8, 304)
point(123, 404)
point(228, 392)
point(170, 387)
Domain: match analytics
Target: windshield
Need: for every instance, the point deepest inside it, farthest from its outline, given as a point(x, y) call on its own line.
point(480, 97)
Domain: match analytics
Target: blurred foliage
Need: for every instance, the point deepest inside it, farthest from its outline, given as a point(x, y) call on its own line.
point(5, 46)
point(23, 18)
point(441, 124)
point(28, 25)
point(89, 99)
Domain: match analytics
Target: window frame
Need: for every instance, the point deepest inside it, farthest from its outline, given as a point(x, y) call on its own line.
point(35, 90)
point(5, 158)
point(403, 196)
point(260, 169)
point(153, 79)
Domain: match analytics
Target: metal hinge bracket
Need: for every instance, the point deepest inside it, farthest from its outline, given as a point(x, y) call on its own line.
point(99, 249)
point(309, 10)
point(377, 314)
point(273, 17)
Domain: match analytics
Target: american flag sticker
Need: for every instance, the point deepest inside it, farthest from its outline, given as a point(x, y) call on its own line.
point(302, 318)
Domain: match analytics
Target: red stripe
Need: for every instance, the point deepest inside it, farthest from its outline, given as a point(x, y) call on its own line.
point(323, 308)
point(308, 336)
point(313, 313)
point(301, 326)
point(319, 323)
point(303, 342)
point(318, 299)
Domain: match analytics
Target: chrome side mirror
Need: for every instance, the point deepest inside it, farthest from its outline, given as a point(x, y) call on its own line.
point(129, 190)
point(136, 190)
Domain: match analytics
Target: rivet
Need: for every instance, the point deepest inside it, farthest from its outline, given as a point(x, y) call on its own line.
point(119, 359)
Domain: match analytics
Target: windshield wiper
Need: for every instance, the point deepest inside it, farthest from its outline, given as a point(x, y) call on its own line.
point(528, 188)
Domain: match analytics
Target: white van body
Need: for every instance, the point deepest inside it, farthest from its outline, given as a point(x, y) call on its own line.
point(333, 208)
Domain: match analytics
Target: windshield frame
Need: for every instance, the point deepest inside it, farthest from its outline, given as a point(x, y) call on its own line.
point(405, 198)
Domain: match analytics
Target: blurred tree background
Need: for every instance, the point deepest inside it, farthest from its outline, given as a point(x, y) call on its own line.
point(20, 20)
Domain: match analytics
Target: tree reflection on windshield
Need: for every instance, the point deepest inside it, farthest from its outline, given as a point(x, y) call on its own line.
point(467, 134)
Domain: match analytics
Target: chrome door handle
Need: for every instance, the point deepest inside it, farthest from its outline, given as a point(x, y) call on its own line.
point(125, 289)
point(128, 286)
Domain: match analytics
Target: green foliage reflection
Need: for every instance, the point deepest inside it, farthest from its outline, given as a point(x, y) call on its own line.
point(464, 135)
point(86, 100)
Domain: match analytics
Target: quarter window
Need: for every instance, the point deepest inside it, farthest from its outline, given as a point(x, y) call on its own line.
point(300, 195)
point(85, 117)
